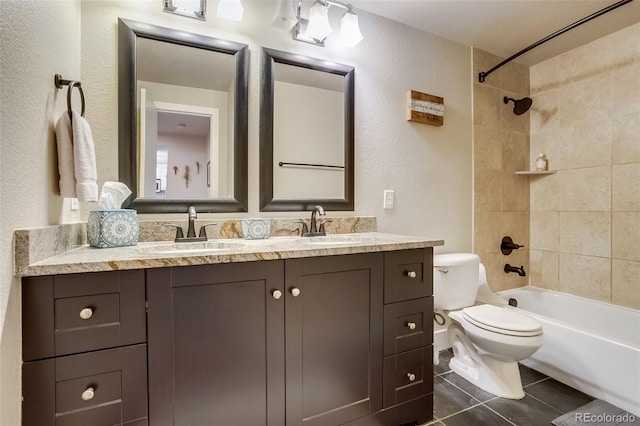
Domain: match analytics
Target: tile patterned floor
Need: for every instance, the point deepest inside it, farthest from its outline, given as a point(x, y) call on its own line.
point(459, 403)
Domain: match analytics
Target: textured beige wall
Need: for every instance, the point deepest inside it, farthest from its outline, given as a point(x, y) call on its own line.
point(501, 146)
point(37, 40)
point(585, 219)
point(428, 167)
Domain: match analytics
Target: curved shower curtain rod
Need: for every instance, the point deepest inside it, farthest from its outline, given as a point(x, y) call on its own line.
point(483, 75)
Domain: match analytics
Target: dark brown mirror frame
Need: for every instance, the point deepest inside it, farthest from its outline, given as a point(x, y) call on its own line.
point(267, 202)
point(128, 32)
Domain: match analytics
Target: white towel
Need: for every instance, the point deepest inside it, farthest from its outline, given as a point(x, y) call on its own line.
point(84, 159)
point(66, 168)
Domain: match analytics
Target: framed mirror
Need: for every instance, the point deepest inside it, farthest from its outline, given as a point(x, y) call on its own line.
point(306, 133)
point(182, 116)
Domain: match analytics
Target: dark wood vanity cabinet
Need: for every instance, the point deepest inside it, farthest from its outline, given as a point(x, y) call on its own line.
point(84, 350)
point(225, 341)
point(320, 341)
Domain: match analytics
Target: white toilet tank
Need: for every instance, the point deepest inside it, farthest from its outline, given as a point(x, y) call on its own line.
point(455, 280)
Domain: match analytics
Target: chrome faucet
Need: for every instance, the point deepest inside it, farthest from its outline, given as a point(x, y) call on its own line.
point(519, 270)
point(191, 229)
point(313, 230)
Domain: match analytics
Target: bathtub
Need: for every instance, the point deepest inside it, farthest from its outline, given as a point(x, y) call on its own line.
point(589, 345)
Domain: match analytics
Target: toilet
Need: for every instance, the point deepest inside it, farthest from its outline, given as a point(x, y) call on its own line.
point(487, 337)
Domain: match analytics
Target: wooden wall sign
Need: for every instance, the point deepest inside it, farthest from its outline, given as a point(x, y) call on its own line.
point(425, 108)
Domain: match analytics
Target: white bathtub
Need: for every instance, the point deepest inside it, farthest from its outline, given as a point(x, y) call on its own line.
point(589, 345)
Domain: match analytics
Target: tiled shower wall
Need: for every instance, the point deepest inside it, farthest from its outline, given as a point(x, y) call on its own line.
point(585, 219)
point(501, 146)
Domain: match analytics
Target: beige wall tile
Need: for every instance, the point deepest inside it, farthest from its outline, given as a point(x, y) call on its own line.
point(585, 100)
point(625, 187)
point(544, 267)
point(543, 76)
point(513, 280)
point(551, 144)
point(516, 225)
point(515, 152)
point(544, 113)
point(493, 265)
point(509, 121)
point(625, 145)
point(585, 233)
point(515, 78)
point(625, 285)
point(487, 232)
point(487, 190)
point(544, 192)
point(487, 148)
point(482, 62)
point(625, 89)
point(587, 144)
point(515, 192)
point(586, 276)
point(544, 234)
point(586, 189)
point(487, 104)
point(625, 241)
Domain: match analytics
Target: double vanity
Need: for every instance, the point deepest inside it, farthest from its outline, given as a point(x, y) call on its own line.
point(288, 330)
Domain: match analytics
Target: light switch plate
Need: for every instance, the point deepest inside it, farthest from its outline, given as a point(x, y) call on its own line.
point(388, 199)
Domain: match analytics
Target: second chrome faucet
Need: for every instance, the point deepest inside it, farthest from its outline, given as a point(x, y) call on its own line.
point(313, 230)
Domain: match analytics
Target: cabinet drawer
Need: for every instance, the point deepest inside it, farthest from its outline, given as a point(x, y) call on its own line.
point(99, 388)
point(408, 325)
point(68, 314)
point(408, 274)
point(407, 376)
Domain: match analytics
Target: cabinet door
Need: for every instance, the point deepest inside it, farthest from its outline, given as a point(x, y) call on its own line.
point(216, 345)
point(333, 373)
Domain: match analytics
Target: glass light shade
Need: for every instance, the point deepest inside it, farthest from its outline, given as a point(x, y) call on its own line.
point(319, 27)
point(350, 34)
point(230, 9)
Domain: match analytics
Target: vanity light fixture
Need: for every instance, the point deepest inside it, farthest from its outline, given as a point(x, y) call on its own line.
point(317, 28)
point(230, 9)
point(190, 8)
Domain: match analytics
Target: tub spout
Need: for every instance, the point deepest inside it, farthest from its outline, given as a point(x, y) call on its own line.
point(519, 270)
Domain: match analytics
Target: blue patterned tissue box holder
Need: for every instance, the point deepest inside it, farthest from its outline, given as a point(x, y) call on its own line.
point(256, 229)
point(112, 228)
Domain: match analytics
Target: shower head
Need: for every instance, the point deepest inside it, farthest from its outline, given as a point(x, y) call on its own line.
point(520, 106)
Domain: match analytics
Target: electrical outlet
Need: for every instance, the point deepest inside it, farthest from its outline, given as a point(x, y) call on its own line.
point(73, 203)
point(388, 199)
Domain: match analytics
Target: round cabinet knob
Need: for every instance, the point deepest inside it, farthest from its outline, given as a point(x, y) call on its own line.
point(411, 274)
point(88, 394)
point(411, 377)
point(411, 325)
point(295, 292)
point(86, 313)
point(277, 294)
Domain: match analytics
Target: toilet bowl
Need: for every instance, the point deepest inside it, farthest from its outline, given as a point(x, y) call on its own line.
point(488, 339)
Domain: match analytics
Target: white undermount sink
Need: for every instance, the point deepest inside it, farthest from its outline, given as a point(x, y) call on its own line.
point(190, 248)
point(335, 240)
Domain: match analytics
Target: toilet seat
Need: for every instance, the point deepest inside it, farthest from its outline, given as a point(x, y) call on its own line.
point(502, 320)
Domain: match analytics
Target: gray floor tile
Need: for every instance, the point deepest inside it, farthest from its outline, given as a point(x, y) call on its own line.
point(448, 399)
point(468, 387)
point(529, 376)
point(527, 411)
point(558, 395)
point(476, 416)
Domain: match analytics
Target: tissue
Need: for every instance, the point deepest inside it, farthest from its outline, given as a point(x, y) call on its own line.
point(113, 195)
point(111, 226)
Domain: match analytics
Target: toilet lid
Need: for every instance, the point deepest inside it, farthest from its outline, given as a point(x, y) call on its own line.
point(502, 320)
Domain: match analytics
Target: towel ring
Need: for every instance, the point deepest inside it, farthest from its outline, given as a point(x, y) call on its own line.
point(73, 84)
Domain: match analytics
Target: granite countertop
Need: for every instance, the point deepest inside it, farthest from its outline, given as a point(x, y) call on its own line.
point(166, 253)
